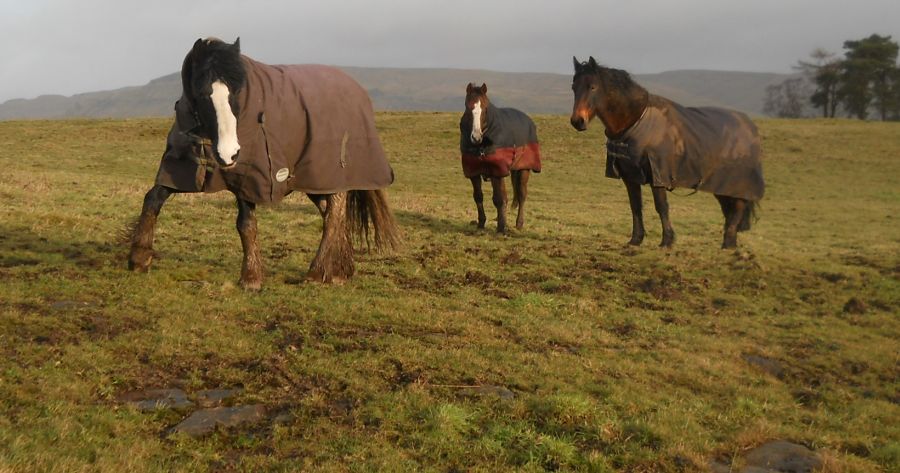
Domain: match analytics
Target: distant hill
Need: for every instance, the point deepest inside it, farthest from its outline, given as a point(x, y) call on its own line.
point(424, 90)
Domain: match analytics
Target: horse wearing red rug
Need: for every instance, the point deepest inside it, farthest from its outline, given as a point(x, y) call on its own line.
point(495, 143)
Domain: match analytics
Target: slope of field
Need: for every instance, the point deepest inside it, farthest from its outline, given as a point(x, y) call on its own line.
point(422, 90)
point(553, 348)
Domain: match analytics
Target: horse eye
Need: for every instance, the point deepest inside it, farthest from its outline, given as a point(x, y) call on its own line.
point(593, 87)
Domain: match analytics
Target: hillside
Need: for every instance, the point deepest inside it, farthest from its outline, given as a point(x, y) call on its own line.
point(421, 90)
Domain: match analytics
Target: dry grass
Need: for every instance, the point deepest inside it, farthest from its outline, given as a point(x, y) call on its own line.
point(620, 359)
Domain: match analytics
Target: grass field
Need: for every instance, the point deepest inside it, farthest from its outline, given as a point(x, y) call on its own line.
point(618, 359)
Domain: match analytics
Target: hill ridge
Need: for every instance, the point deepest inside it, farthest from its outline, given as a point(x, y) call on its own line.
point(421, 89)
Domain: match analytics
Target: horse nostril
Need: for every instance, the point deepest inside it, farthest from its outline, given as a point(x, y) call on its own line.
point(577, 123)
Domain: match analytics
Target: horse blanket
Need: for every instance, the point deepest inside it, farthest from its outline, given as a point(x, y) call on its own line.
point(509, 143)
point(706, 148)
point(307, 128)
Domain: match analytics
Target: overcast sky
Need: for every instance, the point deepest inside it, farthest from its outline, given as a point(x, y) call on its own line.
point(66, 47)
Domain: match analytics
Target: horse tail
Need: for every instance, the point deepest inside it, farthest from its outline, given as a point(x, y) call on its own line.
point(365, 207)
point(750, 215)
point(516, 177)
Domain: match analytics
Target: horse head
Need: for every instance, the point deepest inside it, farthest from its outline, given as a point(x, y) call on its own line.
point(607, 93)
point(477, 104)
point(211, 77)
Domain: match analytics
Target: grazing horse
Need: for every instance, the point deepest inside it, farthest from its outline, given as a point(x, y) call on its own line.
point(495, 143)
point(652, 140)
point(262, 132)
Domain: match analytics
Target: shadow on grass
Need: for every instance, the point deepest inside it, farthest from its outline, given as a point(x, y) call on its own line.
point(22, 247)
point(435, 224)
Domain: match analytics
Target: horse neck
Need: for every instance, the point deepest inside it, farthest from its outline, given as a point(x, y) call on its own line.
point(244, 95)
point(623, 110)
point(490, 111)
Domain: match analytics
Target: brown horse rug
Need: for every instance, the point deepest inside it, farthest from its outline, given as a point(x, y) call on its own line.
point(705, 148)
point(305, 128)
point(509, 144)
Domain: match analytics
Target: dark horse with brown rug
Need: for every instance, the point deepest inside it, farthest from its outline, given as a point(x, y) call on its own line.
point(262, 132)
point(495, 143)
point(652, 140)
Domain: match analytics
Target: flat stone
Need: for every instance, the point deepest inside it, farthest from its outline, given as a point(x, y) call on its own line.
point(62, 305)
point(214, 397)
point(783, 456)
point(778, 456)
point(489, 390)
point(205, 421)
point(157, 399)
point(773, 367)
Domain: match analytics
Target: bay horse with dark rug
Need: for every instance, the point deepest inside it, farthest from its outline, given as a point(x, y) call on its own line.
point(497, 142)
point(652, 140)
point(262, 132)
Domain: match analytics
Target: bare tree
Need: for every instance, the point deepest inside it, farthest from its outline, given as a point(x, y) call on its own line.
point(787, 99)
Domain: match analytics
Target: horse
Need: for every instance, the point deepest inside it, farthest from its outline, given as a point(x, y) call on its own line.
point(495, 143)
point(262, 132)
point(653, 140)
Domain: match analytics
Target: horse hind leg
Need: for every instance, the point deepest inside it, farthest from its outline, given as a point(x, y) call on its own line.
point(320, 201)
point(661, 203)
point(141, 254)
point(334, 259)
point(478, 197)
point(520, 193)
point(734, 209)
point(749, 215)
point(251, 267)
point(500, 199)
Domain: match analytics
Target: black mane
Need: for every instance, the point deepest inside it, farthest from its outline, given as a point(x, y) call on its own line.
point(211, 60)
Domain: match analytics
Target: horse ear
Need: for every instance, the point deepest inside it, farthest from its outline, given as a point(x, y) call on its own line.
point(592, 62)
point(469, 87)
point(577, 63)
point(483, 88)
point(197, 44)
point(237, 45)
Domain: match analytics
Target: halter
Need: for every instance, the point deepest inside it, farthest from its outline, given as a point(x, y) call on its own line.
point(201, 148)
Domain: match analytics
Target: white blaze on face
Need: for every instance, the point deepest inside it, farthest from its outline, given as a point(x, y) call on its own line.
point(226, 123)
point(476, 123)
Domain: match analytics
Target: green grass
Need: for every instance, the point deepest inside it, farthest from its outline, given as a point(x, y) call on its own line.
point(620, 359)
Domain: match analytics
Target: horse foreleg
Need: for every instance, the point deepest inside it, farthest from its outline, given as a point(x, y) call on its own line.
point(662, 208)
point(520, 187)
point(334, 259)
point(732, 221)
point(478, 197)
point(141, 254)
point(498, 185)
point(637, 216)
point(251, 268)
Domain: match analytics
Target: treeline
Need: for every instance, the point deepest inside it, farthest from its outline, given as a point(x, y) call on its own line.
point(863, 83)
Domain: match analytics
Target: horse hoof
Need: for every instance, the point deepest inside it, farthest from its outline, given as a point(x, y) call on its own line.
point(140, 260)
point(253, 286)
point(634, 242)
point(321, 277)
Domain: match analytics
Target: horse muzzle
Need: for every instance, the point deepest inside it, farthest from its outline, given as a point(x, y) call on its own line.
point(228, 164)
point(578, 122)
